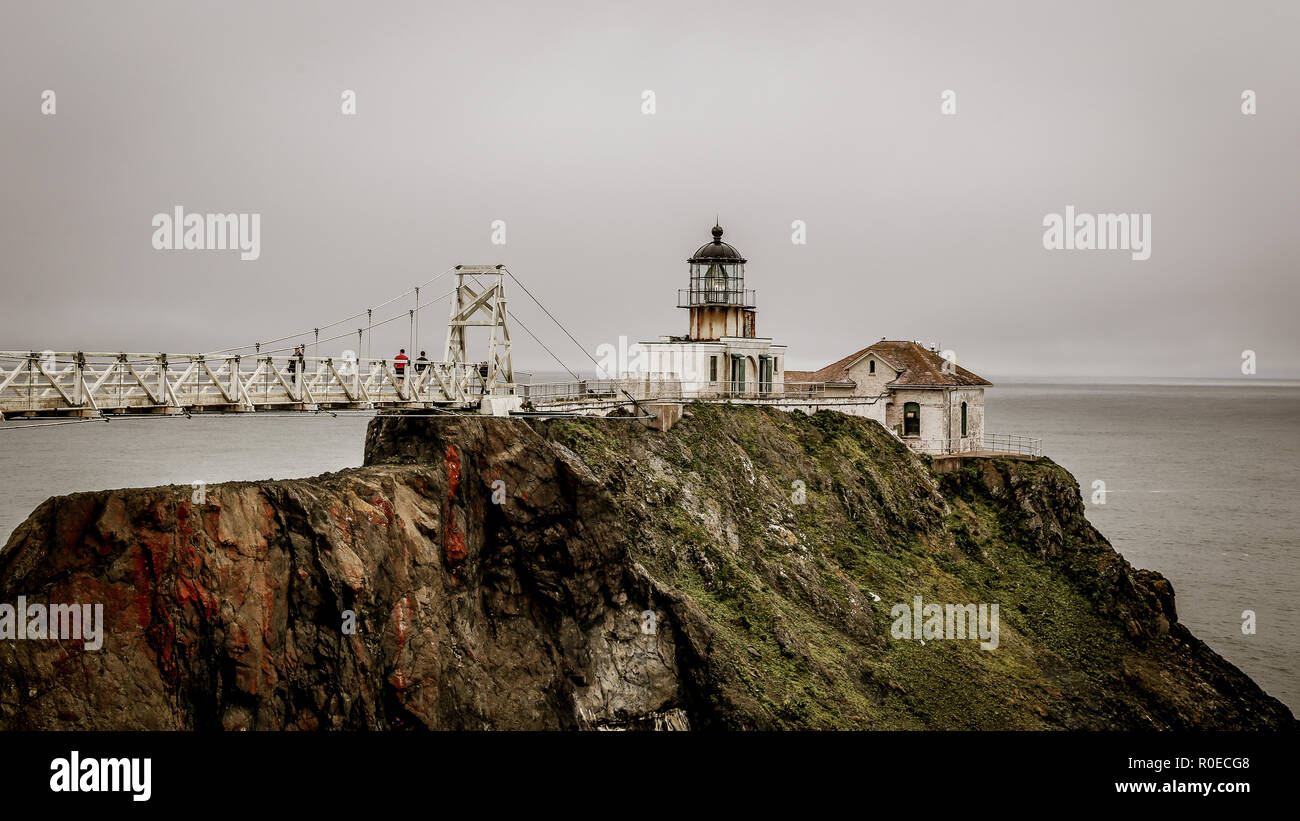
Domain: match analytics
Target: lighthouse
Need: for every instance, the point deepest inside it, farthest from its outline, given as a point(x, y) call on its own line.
point(719, 304)
point(721, 354)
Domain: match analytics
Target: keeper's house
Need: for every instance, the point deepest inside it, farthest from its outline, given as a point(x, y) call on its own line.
point(919, 394)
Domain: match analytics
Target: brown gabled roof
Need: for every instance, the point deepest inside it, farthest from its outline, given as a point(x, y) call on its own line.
point(923, 367)
point(834, 372)
point(915, 366)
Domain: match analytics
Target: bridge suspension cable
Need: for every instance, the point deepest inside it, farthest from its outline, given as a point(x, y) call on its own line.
point(553, 319)
point(379, 324)
point(316, 331)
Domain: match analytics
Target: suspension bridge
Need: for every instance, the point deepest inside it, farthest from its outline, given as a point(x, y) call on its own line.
point(259, 377)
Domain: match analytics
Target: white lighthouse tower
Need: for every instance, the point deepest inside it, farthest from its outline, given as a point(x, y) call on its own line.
point(721, 355)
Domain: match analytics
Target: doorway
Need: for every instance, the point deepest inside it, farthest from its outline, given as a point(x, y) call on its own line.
point(912, 419)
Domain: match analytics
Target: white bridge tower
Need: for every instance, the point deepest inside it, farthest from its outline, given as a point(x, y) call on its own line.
point(481, 302)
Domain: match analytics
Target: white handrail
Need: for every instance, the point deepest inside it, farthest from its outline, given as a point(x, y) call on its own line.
point(50, 381)
point(1008, 443)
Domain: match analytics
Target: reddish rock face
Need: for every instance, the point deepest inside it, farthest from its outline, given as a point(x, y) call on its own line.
point(494, 573)
point(233, 614)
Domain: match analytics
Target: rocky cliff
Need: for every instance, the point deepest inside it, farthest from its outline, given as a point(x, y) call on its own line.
point(738, 571)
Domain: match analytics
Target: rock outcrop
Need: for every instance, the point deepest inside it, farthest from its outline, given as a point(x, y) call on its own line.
point(736, 572)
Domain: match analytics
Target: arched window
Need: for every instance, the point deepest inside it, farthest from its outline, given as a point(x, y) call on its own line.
point(963, 418)
point(911, 419)
point(871, 366)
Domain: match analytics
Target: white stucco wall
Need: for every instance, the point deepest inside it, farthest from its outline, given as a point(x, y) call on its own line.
point(872, 384)
point(690, 362)
point(974, 399)
point(941, 408)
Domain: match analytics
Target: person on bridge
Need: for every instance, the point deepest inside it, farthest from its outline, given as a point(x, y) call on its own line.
point(293, 364)
point(399, 364)
point(421, 364)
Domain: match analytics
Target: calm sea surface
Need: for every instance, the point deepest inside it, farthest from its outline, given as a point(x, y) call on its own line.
point(1202, 481)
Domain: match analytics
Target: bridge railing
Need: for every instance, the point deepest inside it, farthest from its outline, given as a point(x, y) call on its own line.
point(95, 382)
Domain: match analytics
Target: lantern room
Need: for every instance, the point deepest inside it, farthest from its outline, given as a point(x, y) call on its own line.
point(719, 304)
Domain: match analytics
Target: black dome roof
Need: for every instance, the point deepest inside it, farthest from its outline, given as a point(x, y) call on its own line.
point(716, 249)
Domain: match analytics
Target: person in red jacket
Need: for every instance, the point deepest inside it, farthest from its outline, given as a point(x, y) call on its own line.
point(399, 364)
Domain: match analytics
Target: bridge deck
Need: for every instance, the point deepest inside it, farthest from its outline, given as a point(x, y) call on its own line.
point(82, 384)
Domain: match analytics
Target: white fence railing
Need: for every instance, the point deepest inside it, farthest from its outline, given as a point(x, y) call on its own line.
point(549, 392)
point(805, 390)
point(658, 388)
point(98, 382)
point(988, 443)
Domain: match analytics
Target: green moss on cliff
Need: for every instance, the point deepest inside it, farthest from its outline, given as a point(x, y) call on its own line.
point(798, 596)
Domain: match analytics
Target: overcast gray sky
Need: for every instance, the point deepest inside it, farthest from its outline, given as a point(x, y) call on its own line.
point(919, 225)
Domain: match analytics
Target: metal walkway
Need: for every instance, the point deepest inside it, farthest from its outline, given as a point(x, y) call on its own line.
point(88, 384)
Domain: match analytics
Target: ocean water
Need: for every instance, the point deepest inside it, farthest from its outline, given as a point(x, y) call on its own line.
point(1202, 484)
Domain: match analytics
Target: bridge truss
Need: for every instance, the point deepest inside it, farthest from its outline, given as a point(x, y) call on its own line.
point(92, 384)
point(88, 384)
